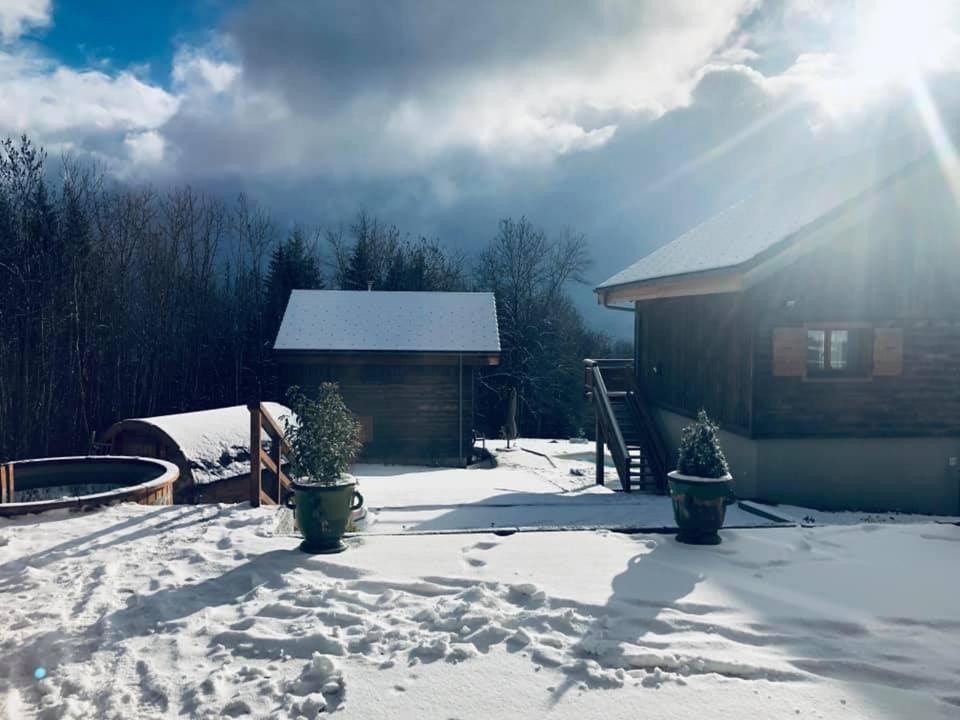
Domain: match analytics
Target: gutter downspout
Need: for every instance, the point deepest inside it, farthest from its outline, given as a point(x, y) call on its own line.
point(460, 405)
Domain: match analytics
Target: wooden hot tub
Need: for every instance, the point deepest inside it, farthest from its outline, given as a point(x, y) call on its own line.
point(32, 486)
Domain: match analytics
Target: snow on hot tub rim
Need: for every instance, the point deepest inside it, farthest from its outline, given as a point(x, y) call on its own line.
point(169, 476)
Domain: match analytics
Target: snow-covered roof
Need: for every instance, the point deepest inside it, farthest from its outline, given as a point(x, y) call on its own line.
point(215, 442)
point(352, 321)
point(753, 226)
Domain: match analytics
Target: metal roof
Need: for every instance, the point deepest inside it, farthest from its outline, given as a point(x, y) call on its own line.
point(379, 321)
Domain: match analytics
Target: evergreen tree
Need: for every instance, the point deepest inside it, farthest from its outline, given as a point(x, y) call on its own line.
point(294, 265)
point(700, 454)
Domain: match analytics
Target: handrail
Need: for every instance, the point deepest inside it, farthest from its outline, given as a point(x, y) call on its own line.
point(261, 420)
point(607, 408)
point(607, 362)
point(610, 427)
point(651, 442)
point(655, 450)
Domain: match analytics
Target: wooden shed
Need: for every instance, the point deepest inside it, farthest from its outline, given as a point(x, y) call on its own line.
point(819, 323)
point(211, 448)
point(405, 363)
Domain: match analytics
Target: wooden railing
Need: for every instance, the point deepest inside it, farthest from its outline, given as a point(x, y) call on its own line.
point(262, 422)
point(6, 483)
point(654, 448)
point(607, 428)
point(608, 378)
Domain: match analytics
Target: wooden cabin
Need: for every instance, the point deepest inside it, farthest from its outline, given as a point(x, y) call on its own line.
point(405, 363)
point(818, 322)
point(211, 448)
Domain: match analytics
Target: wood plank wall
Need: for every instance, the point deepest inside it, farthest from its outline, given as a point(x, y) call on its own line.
point(693, 353)
point(900, 269)
point(413, 408)
point(890, 277)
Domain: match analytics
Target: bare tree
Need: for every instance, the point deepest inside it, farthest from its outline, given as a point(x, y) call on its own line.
point(540, 330)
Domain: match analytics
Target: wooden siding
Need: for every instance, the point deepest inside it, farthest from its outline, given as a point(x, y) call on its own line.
point(413, 409)
point(895, 268)
point(900, 270)
point(693, 353)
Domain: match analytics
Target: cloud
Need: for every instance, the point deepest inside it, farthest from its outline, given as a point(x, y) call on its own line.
point(630, 120)
point(856, 57)
point(18, 16)
point(145, 149)
point(360, 89)
point(82, 110)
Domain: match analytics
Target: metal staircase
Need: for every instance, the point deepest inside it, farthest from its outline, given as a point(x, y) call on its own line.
point(626, 425)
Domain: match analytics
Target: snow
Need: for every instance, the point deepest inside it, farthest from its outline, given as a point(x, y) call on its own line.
point(350, 321)
point(775, 213)
point(206, 611)
point(810, 516)
point(215, 442)
point(525, 490)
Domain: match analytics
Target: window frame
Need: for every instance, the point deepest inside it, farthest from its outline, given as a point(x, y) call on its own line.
point(828, 374)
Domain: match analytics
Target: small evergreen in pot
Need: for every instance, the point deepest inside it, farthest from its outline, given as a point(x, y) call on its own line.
point(325, 439)
point(700, 486)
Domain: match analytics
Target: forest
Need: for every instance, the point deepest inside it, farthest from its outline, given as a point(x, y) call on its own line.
point(120, 300)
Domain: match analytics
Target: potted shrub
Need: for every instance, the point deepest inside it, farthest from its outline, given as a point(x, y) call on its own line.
point(325, 439)
point(700, 486)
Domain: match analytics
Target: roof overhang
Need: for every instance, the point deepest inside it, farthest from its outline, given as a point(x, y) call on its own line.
point(710, 283)
point(838, 223)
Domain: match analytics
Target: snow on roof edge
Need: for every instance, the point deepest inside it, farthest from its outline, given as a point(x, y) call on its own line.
point(773, 243)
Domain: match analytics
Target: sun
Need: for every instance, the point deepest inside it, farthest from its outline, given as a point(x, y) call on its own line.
point(896, 42)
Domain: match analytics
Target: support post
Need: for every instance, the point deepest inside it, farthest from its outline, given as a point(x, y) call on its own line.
point(255, 444)
point(599, 458)
point(277, 458)
point(6, 481)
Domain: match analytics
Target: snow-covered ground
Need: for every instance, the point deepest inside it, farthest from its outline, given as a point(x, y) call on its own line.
point(149, 612)
point(524, 490)
point(809, 516)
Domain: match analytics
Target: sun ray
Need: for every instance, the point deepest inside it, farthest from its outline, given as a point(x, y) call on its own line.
point(940, 140)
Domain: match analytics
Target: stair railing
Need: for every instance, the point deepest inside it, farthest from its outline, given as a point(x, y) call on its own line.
point(607, 427)
point(653, 446)
point(261, 421)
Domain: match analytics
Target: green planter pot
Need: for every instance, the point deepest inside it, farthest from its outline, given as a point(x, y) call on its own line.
point(699, 506)
point(323, 513)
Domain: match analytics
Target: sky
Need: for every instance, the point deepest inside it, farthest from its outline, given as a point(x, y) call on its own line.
point(629, 121)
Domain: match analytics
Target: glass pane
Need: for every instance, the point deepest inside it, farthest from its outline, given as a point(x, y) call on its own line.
point(816, 344)
point(839, 349)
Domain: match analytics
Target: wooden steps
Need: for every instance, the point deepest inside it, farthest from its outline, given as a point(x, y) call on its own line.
point(625, 426)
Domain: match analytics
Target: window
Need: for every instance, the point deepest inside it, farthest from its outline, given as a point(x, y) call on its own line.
point(842, 352)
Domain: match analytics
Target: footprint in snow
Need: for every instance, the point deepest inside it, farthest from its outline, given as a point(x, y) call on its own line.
point(483, 545)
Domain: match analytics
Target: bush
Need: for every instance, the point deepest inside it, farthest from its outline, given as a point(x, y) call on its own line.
point(325, 436)
point(700, 451)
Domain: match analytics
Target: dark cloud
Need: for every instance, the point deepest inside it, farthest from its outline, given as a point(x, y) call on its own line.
point(628, 120)
point(318, 52)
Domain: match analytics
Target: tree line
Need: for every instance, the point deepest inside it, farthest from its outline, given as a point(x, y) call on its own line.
point(121, 300)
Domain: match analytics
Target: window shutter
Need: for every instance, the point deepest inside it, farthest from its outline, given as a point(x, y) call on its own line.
point(789, 351)
point(888, 351)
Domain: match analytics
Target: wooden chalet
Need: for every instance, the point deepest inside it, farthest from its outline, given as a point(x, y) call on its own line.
point(405, 363)
point(818, 322)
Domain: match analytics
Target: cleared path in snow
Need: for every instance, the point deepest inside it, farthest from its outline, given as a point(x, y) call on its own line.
point(525, 490)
